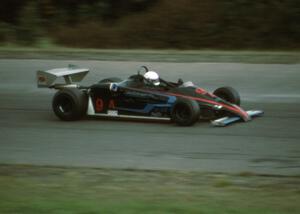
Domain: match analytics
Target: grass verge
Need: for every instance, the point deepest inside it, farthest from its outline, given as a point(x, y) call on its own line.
point(46, 50)
point(37, 189)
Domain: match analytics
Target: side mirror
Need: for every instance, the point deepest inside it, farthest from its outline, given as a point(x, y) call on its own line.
point(113, 87)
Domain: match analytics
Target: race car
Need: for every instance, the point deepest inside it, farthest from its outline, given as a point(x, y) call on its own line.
point(143, 95)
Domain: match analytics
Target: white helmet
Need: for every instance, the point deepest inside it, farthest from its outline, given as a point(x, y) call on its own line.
point(153, 77)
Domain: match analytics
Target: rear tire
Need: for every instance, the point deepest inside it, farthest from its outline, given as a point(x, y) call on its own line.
point(69, 104)
point(228, 94)
point(110, 80)
point(185, 112)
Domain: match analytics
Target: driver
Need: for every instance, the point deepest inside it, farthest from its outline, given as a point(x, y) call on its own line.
point(153, 77)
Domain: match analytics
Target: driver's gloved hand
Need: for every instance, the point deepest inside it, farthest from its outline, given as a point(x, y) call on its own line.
point(180, 81)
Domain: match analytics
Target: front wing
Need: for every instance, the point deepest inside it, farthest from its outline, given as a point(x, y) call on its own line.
point(224, 121)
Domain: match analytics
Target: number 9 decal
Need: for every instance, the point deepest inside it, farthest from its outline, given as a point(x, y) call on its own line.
point(99, 105)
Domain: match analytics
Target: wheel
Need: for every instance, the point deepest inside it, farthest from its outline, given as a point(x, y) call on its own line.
point(110, 80)
point(185, 112)
point(228, 94)
point(69, 104)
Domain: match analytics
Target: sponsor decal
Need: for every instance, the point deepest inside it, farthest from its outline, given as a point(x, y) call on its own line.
point(42, 79)
point(111, 104)
point(112, 113)
point(200, 91)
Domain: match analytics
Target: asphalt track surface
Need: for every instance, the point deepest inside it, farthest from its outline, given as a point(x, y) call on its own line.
point(31, 134)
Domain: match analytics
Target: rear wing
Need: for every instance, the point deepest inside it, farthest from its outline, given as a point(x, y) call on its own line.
point(71, 74)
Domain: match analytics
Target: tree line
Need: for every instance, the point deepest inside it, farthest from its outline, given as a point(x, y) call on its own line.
point(180, 24)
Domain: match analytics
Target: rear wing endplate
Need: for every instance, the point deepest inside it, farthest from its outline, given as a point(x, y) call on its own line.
point(46, 79)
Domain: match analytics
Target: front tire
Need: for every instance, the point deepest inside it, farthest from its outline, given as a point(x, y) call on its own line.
point(185, 112)
point(228, 94)
point(69, 104)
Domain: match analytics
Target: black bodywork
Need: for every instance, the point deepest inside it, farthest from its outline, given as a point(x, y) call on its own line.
point(138, 97)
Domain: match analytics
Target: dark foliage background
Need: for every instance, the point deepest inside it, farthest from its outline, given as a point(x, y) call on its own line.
point(182, 24)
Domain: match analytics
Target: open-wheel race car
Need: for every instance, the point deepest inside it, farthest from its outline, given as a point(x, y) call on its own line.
point(143, 95)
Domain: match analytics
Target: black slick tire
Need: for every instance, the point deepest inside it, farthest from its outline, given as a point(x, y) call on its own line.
point(69, 104)
point(185, 112)
point(228, 94)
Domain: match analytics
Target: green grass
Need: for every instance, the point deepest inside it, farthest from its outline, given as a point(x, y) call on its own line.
point(33, 189)
point(45, 49)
